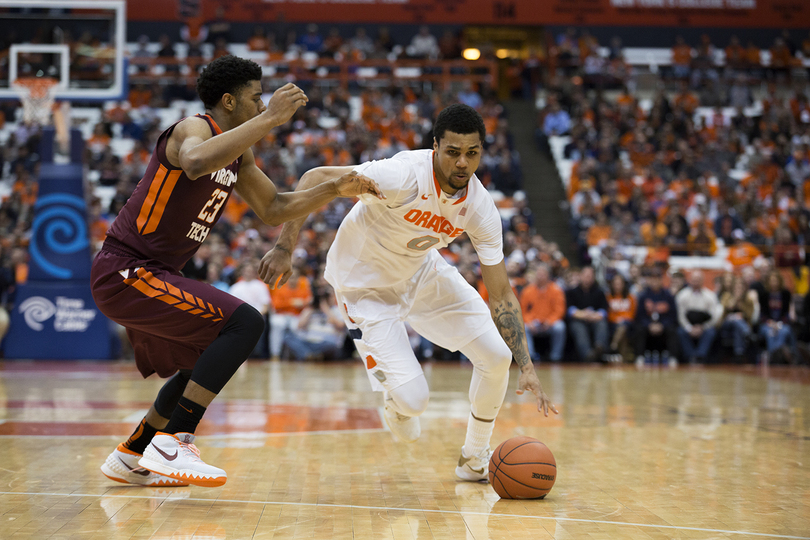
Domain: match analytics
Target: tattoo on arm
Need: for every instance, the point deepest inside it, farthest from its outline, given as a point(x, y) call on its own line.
point(509, 322)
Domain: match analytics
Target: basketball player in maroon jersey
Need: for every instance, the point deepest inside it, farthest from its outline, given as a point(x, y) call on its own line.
point(182, 328)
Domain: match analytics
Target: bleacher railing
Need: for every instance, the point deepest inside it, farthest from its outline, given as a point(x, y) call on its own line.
point(440, 72)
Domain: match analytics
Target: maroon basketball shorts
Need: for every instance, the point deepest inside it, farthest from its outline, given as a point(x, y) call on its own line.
point(170, 319)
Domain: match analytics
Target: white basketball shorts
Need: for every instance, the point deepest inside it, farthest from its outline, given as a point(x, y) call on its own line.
point(437, 302)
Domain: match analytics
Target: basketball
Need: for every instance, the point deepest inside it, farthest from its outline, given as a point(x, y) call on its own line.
point(522, 468)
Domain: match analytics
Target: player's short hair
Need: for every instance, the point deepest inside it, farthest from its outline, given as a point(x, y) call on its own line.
point(225, 75)
point(459, 118)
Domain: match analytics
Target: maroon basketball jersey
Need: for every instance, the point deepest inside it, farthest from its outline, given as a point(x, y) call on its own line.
point(169, 215)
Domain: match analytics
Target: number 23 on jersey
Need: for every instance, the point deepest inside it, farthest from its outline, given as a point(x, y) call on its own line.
point(208, 214)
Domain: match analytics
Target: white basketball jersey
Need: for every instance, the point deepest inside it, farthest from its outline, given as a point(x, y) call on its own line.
point(383, 242)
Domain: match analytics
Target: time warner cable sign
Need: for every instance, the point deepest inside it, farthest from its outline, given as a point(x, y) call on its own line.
point(54, 316)
point(68, 314)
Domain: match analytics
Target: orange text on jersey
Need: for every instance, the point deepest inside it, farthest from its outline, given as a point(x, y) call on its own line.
point(435, 222)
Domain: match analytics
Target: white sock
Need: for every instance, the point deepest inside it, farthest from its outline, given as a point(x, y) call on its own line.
point(478, 435)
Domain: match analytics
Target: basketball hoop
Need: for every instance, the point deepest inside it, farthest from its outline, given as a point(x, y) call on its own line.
point(37, 95)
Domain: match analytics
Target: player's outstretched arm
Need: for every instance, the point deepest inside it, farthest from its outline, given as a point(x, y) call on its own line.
point(193, 148)
point(508, 319)
point(275, 208)
point(275, 267)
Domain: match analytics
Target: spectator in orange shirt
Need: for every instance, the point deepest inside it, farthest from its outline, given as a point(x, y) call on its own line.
point(686, 99)
point(735, 54)
point(621, 313)
point(753, 56)
point(742, 252)
point(599, 231)
point(780, 55)
point(701, 241)
point(288, 302)
point(543, 304)
point(681, 58)
point(98, 225)
point(258, 41)
point(19, 265)
point(139, 96)
point(221, 48)
point(100, 139)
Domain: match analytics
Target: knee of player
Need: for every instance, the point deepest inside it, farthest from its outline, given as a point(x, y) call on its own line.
point(501, 356)
point(502, 362)
point(248, 320)
point(413, 405)
point(412, 398)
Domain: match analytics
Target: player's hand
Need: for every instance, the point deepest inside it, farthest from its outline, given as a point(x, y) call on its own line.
point(528, 381)
point(353, 184)
point(284, 102)
point(275, 267)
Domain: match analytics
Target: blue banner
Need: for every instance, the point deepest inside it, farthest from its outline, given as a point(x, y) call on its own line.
point(57, 321)
point(60, 246)
point(54, 315)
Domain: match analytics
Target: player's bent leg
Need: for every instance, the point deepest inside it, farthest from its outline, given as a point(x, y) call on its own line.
point(375, 324)
point(403, 405)
point(169, 394)
point(172, 452)
point(491, 358)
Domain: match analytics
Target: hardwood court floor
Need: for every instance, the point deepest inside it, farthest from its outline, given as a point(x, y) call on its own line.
point(652, 453)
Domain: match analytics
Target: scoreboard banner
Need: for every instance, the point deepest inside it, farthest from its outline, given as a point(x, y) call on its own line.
point(683, 13)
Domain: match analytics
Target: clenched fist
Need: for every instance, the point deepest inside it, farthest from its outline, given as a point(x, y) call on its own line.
point(285, 101)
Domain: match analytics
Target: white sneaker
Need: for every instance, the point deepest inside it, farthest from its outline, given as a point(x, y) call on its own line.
point(405, 428)
point(474, 468)
point(639, 361)
point(122, 466)
point(176, 456)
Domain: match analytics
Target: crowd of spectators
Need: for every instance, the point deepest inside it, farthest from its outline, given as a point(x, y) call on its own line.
point(713, 163)
point(657, 176)
point(335, 128)
point(659, 318)
point(279, 41)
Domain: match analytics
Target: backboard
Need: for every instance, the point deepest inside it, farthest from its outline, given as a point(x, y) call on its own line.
point(80, 43)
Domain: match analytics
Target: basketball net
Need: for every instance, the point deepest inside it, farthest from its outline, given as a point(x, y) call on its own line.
point(38, 95)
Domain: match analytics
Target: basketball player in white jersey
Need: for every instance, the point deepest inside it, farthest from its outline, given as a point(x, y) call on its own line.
point(386, 270)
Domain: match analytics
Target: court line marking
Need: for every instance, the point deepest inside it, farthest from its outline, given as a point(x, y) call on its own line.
point(217, 436)
point(415, 510)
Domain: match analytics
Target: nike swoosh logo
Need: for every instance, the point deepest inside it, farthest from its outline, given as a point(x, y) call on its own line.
point(137, 470)
point(463, 461)
point(186, 408)
point(425, 197)
point(164, 454)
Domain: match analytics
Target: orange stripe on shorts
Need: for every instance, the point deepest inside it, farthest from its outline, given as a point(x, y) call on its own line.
point(153, 287)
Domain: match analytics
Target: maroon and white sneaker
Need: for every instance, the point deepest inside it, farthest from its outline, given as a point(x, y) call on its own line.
point(122, 466)
point(175, 456)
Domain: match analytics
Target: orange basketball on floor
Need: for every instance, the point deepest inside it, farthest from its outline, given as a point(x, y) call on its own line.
point(522, 468)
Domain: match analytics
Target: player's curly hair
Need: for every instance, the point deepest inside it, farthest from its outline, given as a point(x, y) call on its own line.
point(459, 118)
point(225, 75)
